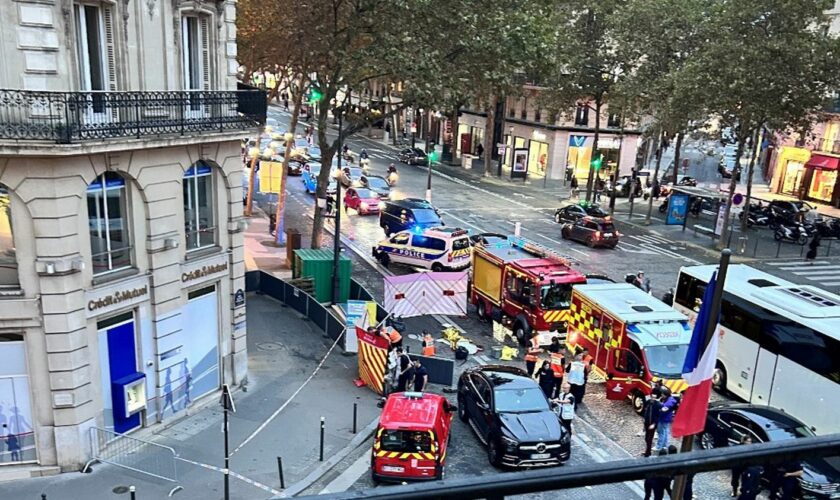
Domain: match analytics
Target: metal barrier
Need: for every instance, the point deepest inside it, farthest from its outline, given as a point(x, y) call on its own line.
point(134, 454)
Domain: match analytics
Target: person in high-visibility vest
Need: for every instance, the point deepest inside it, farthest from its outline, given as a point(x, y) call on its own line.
point(558, 364)
point(576, 374)
point(428, 344)
point(532, 356)
point(392, 336)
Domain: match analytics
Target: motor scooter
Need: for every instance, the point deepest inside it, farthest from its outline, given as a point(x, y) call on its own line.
point(393, 176)
point(791, 232)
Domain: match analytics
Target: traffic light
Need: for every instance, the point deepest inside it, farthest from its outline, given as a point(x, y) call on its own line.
point(596, 162)
point(315, 95)
point(433, 156)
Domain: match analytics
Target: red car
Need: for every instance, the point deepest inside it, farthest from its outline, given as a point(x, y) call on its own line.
point(364, 201)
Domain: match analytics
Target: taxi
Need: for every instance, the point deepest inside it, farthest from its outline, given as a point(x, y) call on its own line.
point(437, 248)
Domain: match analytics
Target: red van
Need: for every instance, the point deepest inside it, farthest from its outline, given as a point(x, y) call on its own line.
point(412, 437)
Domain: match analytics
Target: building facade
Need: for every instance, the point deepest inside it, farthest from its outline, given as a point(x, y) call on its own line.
point(121, 245)
point(552, 144)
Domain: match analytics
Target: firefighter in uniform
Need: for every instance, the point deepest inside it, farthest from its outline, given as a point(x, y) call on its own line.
point(532, 356)
point(428, 344)
point(392, 336)
point(558, 364)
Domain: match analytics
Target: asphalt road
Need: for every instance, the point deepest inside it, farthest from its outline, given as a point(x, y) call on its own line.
point(493, 205)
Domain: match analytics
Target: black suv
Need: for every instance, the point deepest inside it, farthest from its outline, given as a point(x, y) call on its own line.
point(512, 417)
point(578, 211)
point(409, 213)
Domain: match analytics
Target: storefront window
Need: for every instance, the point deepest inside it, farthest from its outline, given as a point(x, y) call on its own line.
point(822, 185)
point(16, 432)
point(110, 244)
point(537, 157)
point(199, 221)
point(8, 257)
point(793, 178)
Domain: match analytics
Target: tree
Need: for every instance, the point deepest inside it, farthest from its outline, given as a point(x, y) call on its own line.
point(587, 64)
point(656, 38)
point(765, 63)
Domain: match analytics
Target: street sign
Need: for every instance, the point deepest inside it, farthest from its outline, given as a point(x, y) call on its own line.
point(738, 200)
point(227, 399)
point(239, 298)
point(677, 209)
point(413, 128)
point(721, 220)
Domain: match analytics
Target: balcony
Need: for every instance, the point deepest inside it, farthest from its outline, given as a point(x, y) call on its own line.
point(79, 117)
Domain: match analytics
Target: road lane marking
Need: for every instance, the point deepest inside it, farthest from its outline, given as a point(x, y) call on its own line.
point(349, 477)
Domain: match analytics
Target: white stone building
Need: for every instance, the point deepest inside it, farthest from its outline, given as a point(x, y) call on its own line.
point(121, 246)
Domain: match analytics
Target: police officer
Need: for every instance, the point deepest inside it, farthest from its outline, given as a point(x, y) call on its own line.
point(567, 406)
point(576, 374)
point(750, 483)
point(421, 377)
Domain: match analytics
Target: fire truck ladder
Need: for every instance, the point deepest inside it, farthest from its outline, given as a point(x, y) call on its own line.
point(541, 251)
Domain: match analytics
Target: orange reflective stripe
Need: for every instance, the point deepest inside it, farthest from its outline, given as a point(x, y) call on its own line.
point(394, 335)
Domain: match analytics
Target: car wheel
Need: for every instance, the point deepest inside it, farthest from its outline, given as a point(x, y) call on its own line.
point(493, 454)
point(719, 378)
point(437, 267)
point(384, 259)
point(519, 332)
point(590, 242)
point(707, 441)
point(481, 310)
point(564, 233)
point(462, 409)
point(638, 400)
point(557, 218)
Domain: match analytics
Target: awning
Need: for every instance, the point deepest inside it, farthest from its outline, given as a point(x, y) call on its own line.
point(823, 162)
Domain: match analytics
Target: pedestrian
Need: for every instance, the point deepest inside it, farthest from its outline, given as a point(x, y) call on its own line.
point(750, 482)
point(576, 374)
point(654, 189)
point(393, 371)
point(650, 417)
point(666, 418)
point(599, 188)
point(428, 344)
point(558, 364)
point(574, 193)
point(393, 336)
point(737, 472)
point(655, 485)
point(406, 368)
point(479, 150)
point(421, 377)
point(533, 353)
point(812, 248)
point(566, 400)
point(546, 379)
point(785, 485)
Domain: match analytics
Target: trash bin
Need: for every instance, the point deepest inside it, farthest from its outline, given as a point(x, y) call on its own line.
point(466, 161)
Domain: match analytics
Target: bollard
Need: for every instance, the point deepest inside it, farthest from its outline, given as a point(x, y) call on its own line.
point(355, 408)
point(778, 248)
point(132, 492)
point(755, 248)
point(828, 250)
point(321, 455)
point(280, 470)
point(517, 228)
point(43, 496)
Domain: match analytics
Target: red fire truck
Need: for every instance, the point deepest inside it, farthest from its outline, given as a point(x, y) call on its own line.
point(523, 283)
point(634, 339)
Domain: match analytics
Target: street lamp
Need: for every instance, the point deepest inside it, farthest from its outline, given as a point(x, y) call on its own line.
point(337, 208)
point(253, 153)
point(279, 217)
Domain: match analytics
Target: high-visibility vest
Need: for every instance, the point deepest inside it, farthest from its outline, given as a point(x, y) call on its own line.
point(577, 373)
point(428, 345)
point(534, 350)
point(393, 335)
point(557, 364)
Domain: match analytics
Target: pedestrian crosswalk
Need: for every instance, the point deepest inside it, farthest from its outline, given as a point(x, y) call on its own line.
point(823, 273)
point(652, 244)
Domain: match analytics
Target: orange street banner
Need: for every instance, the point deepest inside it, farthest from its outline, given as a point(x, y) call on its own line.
point(373, 360)
point(271, 176)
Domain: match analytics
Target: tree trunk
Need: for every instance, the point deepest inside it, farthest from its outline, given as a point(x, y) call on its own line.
point(659, 152)
point(724, 233)
point(591, 176)
point(327, 152)
point(677, 151)
point(489, 127)
point(750, 168)
point(279, 219)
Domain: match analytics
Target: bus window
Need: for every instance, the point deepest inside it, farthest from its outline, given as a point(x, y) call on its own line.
point(690, 292)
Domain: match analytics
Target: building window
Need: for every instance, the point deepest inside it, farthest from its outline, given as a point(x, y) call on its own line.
point(110, 244)
point(582, 115)
point(512, 109)
point(8, 257)
point(199, 222)
point(95, 52)
point(195, 41)
point(614, 120)
point(524, 110)
point(537, 114)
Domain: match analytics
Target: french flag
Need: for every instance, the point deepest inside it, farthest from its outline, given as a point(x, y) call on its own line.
point(697, 371)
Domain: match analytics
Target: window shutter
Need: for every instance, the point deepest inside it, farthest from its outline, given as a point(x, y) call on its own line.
point(205, 52)
point(110, 49)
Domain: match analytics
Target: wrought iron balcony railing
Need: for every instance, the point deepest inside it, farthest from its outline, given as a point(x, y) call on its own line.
point(70, 117)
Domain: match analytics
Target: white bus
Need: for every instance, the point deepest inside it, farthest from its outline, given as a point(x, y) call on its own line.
point(780, 343)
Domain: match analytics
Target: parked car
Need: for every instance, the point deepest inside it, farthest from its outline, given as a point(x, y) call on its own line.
point(726, 423)
point(512, 417)
point(296, 167)
point(622, 187)
point(789, 209)
point(363, 201)
point(573, 213)
point(376, 184)
point(310, 177)
point(409, 213)
point(412, 156)
point(593, 231)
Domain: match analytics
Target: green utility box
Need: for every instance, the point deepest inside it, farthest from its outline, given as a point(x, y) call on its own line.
point(318, 265)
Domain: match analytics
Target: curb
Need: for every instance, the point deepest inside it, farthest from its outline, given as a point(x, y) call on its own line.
point(325, 467)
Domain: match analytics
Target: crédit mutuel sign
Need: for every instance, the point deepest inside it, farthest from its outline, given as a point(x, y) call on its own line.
point(203, 272)
point(117, 297)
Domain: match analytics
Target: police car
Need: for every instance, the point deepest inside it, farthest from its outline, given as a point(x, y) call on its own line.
point(437, 248)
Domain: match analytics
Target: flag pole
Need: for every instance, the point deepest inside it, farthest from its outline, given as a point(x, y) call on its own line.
point(711, 329)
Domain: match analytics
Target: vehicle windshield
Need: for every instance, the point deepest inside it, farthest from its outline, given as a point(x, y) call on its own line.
point(377, 182)
point(405, 441)
point(460, 243)
point(315, 151)
point(666, 360)
point(557, 296)
point(365, 193)
point(782, 434)
point(426, 216)
point(608, 227)
point(355, 172)
point(315, 169)
point(520, 400)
